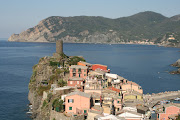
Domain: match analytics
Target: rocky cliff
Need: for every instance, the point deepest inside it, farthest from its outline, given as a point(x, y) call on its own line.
point(143, 27)
point(46, 73)
point(176, 64)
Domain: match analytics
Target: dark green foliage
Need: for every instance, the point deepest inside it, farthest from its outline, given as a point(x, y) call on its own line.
point(43, 88)
point(62, 83)
point(75, 60)
point(44, 103)
point(58, 104)
point(64, 55)
point(49, 97)
point(52, 63)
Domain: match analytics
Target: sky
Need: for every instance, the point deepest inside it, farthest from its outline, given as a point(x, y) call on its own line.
point(19, 15)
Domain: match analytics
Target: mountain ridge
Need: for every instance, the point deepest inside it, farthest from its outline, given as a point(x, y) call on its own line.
point(148, 26)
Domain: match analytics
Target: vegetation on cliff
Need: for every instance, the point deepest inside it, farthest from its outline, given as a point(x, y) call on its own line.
point(148, 26)
point(46, 73)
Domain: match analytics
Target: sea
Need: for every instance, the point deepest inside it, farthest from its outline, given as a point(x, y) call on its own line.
point(147, 65)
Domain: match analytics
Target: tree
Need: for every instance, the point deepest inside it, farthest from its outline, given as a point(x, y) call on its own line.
point(62, 83)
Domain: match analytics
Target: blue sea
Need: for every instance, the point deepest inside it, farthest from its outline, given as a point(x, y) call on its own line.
point(146, 65)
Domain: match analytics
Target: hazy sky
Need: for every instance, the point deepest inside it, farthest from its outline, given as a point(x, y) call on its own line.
point(19, 15)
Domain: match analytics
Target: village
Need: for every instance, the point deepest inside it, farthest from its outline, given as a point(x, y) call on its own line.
point(92, 92)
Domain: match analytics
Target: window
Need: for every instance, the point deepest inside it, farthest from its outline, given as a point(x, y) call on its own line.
point(84, 74)
point(74, 69)
point(84, 70)
point(70, 108)
point(70, 100)
point(79, 75)
point(79, 70)
point(74, 74)
point(77, 82)
point(71, 82)
point(118, 109)
point(117, 101)
point(85, 111)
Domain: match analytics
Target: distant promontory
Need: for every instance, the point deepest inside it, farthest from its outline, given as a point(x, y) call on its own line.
point(142, 28)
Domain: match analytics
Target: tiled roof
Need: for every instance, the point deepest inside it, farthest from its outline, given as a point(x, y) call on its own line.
point(80, 94)
point(142, 108)
point(85, 63)
point(78, 66)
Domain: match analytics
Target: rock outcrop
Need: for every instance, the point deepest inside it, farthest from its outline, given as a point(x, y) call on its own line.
point(176, 64)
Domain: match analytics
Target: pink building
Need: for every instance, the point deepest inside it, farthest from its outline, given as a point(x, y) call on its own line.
point(77, 103)
point(76, 82)
point(78, 71)
point(131, 86)
point(118, 104)
point(169, 110)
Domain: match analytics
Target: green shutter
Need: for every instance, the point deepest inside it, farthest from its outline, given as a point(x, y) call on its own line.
point(70, 108)
point(85, 111)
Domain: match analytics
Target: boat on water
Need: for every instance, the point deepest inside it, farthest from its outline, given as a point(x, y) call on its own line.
point(177, 99)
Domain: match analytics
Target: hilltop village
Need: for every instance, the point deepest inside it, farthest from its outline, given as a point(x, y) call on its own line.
point(66, 87)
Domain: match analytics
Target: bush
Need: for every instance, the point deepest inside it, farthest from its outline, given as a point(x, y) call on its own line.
point(58, 104)
point(75, 60)
point(49, 96)
point(62, 83)
point(43, 88)
point(54, 63)
point(44, 104)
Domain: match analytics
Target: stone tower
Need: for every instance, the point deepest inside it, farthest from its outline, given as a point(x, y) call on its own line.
point(59, 47)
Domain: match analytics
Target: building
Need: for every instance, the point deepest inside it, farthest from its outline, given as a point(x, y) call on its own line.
point(168, 111)
point(76, 82)
point(78, 71)
point(131, 86)
point(132, 96)
point(77, 103)
point(99, 66)
point(85, 64)
point(129, 115)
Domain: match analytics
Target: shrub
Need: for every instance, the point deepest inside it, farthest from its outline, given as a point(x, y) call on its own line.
point(44, 104)
point(75, 60)
point(43, 88)
point(58, 103)
point(62, 83)
point(54, 63)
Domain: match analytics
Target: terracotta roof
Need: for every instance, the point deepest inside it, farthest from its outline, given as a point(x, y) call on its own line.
point(78, 66)
point(114, 89)
point(79, 93)
point(85, 63)
point(100, 65)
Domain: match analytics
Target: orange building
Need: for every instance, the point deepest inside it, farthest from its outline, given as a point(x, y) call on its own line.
point(84, 64)
point(78, 71)
point(168, 111)
point(99, 66)
point(77, 103)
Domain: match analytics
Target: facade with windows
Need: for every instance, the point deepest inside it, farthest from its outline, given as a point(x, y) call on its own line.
point(76, 82)
point(77, 103)
point(168, 111)
point(78, 71)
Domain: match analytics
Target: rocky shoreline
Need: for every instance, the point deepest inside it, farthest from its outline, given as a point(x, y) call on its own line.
point(176, 64)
